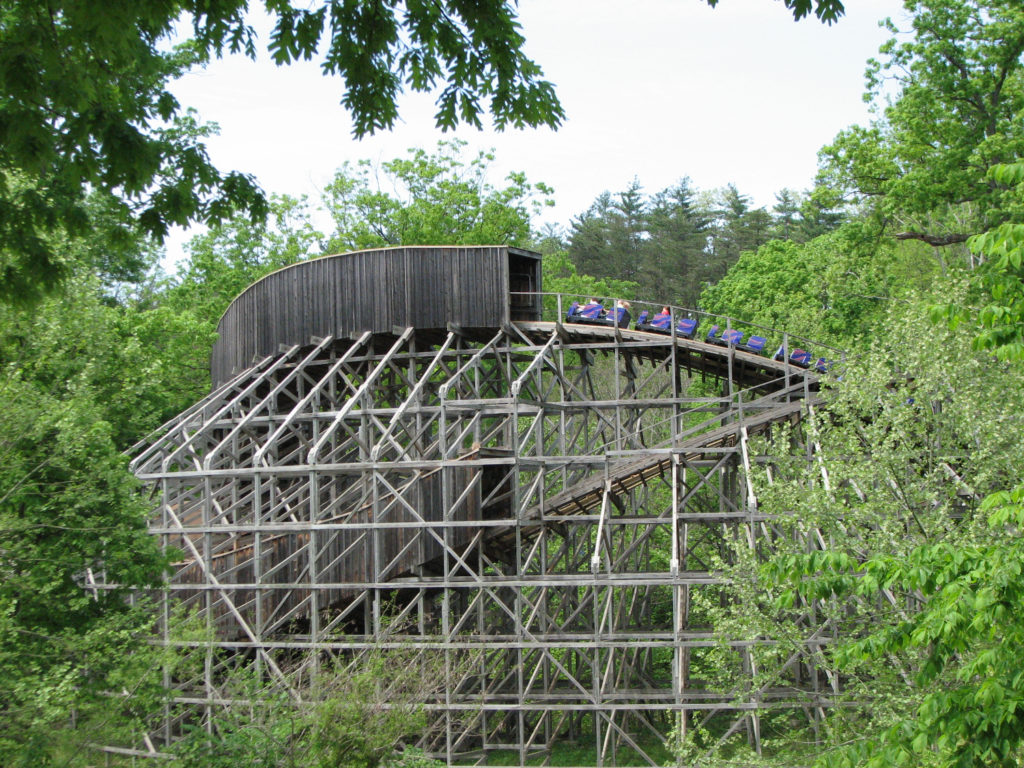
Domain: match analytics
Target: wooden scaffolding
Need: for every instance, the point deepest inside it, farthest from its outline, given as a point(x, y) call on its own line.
point(542, 503)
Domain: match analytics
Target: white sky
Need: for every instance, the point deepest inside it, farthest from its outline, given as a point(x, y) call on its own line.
point(656, 89)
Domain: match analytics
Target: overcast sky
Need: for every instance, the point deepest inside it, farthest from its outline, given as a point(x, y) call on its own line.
point(652, 89)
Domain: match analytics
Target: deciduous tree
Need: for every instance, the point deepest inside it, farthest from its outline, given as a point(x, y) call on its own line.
point(430, 199)
point(884, 539)
point(76, 388)
point(84, 103)
point(949, 95)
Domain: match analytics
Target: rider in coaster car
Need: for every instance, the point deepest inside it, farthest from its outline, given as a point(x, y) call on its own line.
point(662, 320)
point(622, 309)
point(592, 310)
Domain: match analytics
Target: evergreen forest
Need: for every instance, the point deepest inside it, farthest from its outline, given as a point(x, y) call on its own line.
point(906, 250)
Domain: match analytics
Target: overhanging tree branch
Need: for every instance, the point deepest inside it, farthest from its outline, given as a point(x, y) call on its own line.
point(935, 240)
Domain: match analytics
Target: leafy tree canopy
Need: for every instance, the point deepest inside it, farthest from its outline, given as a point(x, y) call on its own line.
point(79, 382)
point(828, 11)
point(950, 96)
point(929, 575)
point(836, 287)
point(429, 198)
point(84, 103)
point(886, 534)
point(1001, 276)
point(676, 242)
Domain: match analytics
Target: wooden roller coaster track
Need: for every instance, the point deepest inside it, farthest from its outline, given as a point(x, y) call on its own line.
point(546, 494)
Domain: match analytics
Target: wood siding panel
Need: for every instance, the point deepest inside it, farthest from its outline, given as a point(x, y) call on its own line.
point(425, 287)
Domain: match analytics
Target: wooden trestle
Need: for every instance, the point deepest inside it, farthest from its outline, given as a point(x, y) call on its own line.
point(538, 502)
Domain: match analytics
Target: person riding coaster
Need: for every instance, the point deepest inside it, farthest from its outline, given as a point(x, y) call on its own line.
point(594, 313)
point(660, 322)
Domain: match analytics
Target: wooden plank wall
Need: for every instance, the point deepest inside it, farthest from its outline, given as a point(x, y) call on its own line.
point(377, 290)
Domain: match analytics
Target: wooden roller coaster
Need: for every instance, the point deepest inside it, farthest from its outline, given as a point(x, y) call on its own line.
point(413, 447)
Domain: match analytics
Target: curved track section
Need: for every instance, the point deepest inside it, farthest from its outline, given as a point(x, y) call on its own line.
point(538, 502)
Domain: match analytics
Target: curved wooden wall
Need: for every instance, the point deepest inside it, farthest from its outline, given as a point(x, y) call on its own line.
point(376, 290)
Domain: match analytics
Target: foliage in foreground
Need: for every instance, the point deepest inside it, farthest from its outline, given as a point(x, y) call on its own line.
point(86, 105)
point(905, 533)
point(76, 384)
point(358, 714)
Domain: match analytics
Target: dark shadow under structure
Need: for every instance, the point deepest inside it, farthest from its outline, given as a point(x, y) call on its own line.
point(409, 448)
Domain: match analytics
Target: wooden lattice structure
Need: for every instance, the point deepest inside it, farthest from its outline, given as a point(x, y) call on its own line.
point(489, 482)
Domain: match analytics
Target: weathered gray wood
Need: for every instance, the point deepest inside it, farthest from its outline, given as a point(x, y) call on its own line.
point(440, 490)
point(425, 287)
